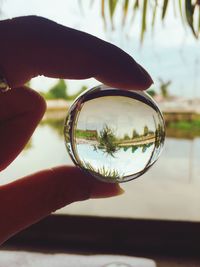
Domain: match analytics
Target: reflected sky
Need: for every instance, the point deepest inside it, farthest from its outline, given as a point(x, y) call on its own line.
point(124, 162)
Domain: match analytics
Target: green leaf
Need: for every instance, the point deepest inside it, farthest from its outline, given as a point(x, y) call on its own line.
point(125, 11)
point(164, 9)
point(136, 5)
point(199, 22)
point(135, 8)
point(189, 11)
point(112, 6)
point(103, 12)
point(144, 13)
point(154, 14)
point(180, 9)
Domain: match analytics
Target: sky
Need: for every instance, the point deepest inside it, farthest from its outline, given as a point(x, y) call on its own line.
point(170, 52)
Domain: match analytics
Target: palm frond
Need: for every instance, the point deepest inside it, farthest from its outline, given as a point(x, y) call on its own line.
point(112, 5)
point(180, 10)
point(189, 10)
point(103, 12)
point(125, 11)
point(199, 21)
point(154, 13)
point(164, 9)
point(143, 29)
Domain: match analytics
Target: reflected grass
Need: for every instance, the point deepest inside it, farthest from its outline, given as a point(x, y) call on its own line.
point(103, 171)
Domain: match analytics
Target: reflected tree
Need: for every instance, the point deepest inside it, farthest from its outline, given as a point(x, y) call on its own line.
point(135, 134)
point(159, 135)
point(134, 148)
point(146, 130)
point(126, 137)
point(108, 141)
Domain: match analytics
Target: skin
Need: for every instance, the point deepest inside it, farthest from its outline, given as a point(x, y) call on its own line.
point(35, 46)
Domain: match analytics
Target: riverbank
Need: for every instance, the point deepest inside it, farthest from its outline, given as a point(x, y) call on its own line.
point(174, 110)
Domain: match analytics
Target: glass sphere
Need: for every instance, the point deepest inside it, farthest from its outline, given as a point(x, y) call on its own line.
point(114, 134)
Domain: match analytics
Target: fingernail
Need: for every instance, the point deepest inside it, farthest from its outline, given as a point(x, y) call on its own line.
point(104, 190)
point(114, 190)
point(119, 190)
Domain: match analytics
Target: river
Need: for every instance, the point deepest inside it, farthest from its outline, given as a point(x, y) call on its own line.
point(169, 190)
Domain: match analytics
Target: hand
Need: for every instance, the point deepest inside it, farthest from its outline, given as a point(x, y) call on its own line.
point(33, 46)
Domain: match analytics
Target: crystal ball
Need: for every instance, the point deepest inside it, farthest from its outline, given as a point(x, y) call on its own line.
point(114, 134)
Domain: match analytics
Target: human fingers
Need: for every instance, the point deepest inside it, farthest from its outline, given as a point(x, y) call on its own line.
point(29, 199)
point(20, 112)
point(35, 46)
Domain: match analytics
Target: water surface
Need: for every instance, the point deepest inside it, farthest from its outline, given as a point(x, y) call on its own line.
point(169, 190)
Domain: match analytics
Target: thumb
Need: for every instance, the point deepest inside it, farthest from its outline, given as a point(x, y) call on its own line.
point(31, 198)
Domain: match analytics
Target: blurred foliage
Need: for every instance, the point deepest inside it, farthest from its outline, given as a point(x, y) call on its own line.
point(60, 91)
point(151, 92)
point(186, 125)
point(28, 145)
point(164, 88)
point(183, 129)
point(55, 124)
point(188, 11)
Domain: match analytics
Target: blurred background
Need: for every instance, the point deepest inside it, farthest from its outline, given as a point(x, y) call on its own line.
point(163, 37)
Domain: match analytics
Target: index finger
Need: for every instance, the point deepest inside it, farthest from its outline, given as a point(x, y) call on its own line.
point(35, 46)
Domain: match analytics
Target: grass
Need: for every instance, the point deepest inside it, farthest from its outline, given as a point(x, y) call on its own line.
point(185, 125)
point(183, 129)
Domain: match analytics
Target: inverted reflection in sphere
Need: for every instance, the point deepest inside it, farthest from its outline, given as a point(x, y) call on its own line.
point(114, 134)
